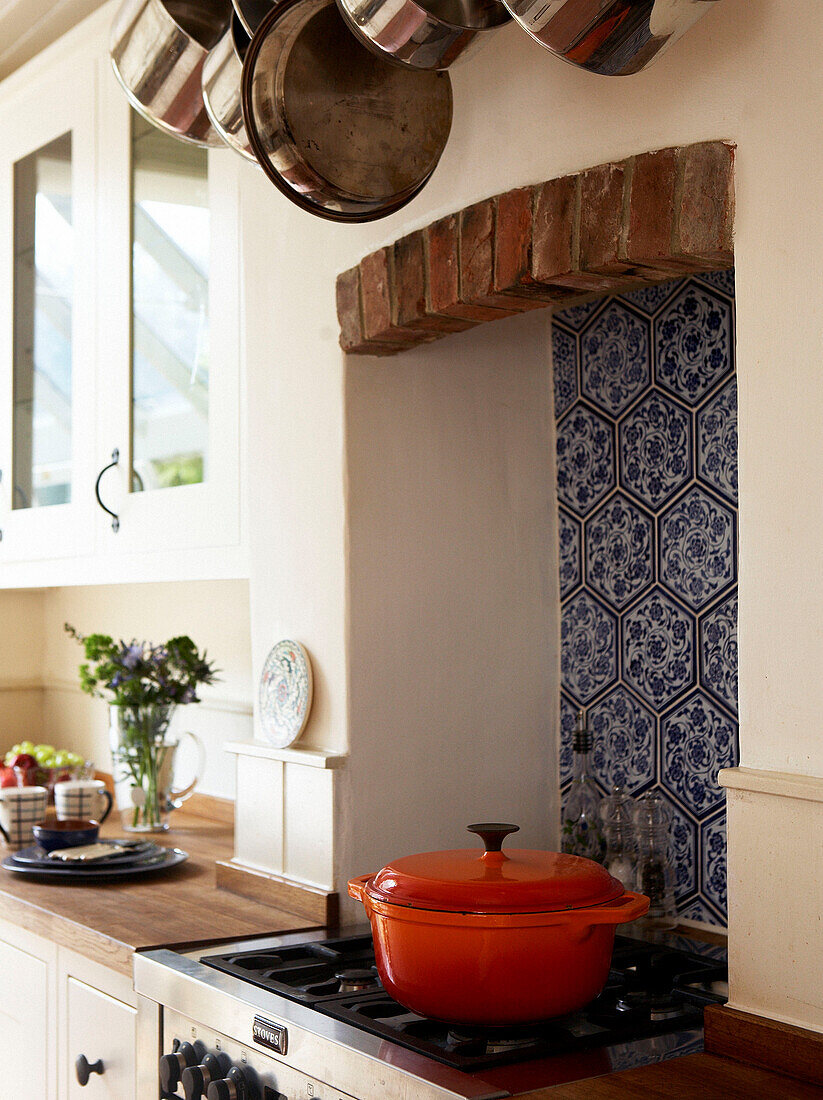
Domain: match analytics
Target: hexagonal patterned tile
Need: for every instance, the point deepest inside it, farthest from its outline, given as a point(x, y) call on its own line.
point(588, 647)
point(718, 651)
point(713, 860)
point(693, 343)
point(619, 550)
point(614, 358)
point(564, 365)
point(717, 442)
point(651, 298)
point(720, 280)
point(655, 449)
point(658, 650)
point(697, 548)
point(696, 741)
point(570, 567)
point(624, 749)
point(585, 459)
point(568, 715)
point(575, 317)
point(699, 909)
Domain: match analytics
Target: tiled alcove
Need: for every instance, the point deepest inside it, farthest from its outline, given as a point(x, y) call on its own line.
point(646, 408)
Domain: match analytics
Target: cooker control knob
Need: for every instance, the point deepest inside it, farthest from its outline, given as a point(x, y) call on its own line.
point(172, 1065)
point(196, 1079)
point(232, 1087)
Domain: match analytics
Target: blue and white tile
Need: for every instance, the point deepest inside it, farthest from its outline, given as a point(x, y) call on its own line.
point(575, 317)
point(698, 909)
point(585, 459)
point(658, 650)
point(718, 651)
point(697, 548)
point(713, 861)
point(615, 364)
point(588, 647)
point(624, 750)
point(696, 741)
point(651, 298)
point(717, 442)
point(569, 534)
point(720, 280)
point(568, 716)
point(564, 363)
point(619, 540)
point(693, 343)
point(655, 449)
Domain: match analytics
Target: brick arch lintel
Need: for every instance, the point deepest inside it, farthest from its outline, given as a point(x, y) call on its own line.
point(639, 221)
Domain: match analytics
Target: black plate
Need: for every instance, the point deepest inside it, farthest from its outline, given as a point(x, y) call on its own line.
point(135, 852)
point(171, 857)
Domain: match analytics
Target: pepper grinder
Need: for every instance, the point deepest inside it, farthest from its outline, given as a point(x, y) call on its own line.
point(582, 830)
point(654, 876)
point(617, 812)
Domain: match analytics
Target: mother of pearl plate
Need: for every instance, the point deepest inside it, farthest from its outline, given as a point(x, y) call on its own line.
point(285, 693)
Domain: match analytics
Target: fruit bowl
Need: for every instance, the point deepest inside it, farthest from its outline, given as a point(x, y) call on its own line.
point(29, 765)
point(40, 776)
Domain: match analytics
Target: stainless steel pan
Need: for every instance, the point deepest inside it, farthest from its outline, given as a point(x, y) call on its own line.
point(251, 12)
point(610, 37)
point(337, 130)
point(157, 49)
point(222, 77)
point(426, 34)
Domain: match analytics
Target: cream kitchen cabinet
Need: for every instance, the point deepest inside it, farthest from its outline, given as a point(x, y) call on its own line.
point(73, 1008)
point(120, 329)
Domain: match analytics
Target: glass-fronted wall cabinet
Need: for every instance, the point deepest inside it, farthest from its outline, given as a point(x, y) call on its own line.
point(46, 316)
point(119, 334)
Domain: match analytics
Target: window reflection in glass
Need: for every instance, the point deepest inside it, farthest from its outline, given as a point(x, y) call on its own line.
point(170, 333)
point(43, 292)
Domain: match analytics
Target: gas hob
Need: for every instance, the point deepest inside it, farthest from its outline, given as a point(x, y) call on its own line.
point(305, 1016)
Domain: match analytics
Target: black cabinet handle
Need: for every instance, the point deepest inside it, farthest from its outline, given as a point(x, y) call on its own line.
point(115, 519)
point(85, 1069)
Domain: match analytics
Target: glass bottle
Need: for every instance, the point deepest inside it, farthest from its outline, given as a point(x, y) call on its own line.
point(582, 828)
point(617, 811)
point(654, 875)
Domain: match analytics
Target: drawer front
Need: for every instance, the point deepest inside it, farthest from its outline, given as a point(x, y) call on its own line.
point(100, 1027)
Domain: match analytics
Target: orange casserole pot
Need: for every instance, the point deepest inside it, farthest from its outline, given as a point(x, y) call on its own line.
point(496, 938)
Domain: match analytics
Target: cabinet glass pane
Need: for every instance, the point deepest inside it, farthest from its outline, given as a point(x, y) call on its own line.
point(43, 291)
point(170, 320)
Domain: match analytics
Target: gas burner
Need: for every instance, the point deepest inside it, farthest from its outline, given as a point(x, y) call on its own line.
point(500, 1040)
point(654, 1006)
point(354, 980)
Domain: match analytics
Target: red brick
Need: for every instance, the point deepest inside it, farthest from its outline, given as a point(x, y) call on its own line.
point(375, 283)
point(443, 255)
point(348, 309)
point(554, 240)
point(601, 220)
point(408, 290)
point(651, 207)
point(705, 229)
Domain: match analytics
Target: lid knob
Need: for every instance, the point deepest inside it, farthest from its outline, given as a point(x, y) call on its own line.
point(493, 833)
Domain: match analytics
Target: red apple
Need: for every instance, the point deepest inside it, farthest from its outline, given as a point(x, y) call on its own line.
point(7, 777)
point(24, 760)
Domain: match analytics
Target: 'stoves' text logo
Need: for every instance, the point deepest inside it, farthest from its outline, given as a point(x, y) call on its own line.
point(270, 1035)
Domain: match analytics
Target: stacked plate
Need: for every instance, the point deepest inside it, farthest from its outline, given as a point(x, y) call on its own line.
point(127, 858)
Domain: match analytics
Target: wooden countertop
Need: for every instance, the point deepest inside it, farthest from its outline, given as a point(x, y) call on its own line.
point(697, 1075)
point(107, 922)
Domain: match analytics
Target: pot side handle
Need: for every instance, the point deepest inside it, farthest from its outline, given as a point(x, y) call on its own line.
point(356, 886)
point(627, 907)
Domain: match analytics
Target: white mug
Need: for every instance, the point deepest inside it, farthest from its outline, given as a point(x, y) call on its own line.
point(87, 799)
point(20, 808)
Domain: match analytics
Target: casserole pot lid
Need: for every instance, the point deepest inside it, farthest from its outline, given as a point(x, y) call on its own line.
point(469, 881)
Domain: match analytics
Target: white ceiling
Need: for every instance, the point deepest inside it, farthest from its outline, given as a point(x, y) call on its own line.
point(26, 26)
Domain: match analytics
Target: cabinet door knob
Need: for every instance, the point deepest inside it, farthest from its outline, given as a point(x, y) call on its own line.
point(85, 1069)
point(115, 519)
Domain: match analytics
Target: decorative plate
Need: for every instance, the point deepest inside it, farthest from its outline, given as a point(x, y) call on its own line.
point(170, 857)
point(285, 693)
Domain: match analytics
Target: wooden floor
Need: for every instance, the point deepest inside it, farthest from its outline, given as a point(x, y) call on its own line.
point(695, 1077)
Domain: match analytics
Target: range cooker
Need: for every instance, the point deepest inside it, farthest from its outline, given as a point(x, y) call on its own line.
point(304, 1017)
